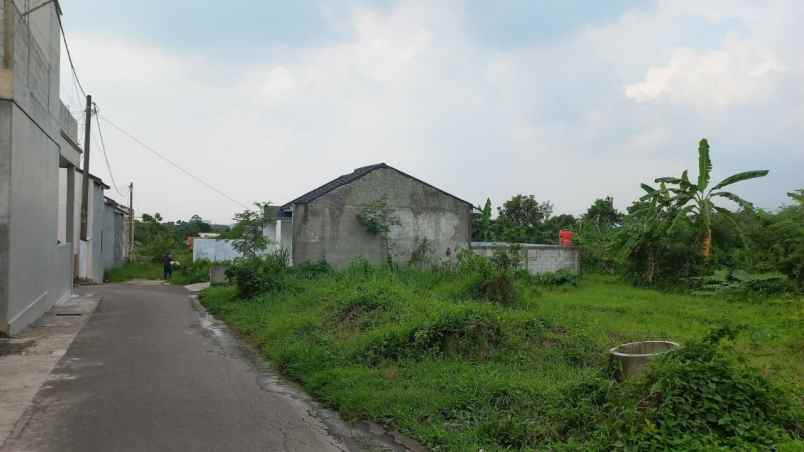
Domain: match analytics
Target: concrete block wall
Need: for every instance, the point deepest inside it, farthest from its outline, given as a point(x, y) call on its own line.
point(328, 227)
point(539, 258)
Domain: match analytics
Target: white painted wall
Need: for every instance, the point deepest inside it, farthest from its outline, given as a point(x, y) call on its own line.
point(218, 250)
point(214, 250)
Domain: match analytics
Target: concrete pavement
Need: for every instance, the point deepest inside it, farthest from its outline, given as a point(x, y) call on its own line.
point(26, 361)
point(151, 371)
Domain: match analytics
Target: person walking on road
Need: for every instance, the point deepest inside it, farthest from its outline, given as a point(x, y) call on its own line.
point(167, 262)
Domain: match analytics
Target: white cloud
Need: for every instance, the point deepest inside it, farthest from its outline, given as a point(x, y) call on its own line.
point(410, 87)
point(738, 73)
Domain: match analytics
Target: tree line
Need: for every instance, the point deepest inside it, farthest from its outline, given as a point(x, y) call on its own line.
point(677, 233)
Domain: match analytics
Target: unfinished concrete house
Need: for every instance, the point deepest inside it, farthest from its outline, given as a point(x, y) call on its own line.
point(37, 148)
point(324, 223)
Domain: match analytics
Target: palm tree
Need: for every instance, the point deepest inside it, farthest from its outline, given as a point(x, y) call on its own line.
point(698, 200)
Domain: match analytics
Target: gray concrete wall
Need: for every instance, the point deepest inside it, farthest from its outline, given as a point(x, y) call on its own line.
point(95, 224)
point(5, 210)
point(38, 268)
point(120, 244)
point(35, 269)
point(540, 258)
point(108, 237)
point(328, 227)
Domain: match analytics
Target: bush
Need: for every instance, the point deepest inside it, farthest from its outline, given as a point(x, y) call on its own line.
point(312, 270)
point(489, 279)
point(361, 306)
point(561, 278)
point(191, 272)
point(458, 332)
point(257, 275)
point(701, 398)
point(740, 284)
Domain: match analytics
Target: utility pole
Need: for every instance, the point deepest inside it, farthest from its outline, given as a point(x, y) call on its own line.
point(130, 221)
point(85, 181)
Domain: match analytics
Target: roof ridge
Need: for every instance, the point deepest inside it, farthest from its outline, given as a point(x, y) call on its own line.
point(353, 176)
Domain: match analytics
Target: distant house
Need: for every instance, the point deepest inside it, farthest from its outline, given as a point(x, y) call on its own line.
point(431, 226)
point(324, 224)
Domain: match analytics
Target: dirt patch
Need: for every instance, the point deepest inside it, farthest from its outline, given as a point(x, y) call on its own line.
point(14, 347)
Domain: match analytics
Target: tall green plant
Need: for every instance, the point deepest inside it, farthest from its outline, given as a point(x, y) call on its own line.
point(641, 239)
point(697, 200)
point(788, 230)
point(249, 238)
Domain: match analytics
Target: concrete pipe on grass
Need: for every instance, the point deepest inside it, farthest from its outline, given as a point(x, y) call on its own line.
point(630, 359)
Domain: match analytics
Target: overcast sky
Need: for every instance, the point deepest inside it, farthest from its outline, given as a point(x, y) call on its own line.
point(568, 101)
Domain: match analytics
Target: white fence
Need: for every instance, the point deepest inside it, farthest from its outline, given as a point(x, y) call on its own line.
point(214, 250)
point(220, 250)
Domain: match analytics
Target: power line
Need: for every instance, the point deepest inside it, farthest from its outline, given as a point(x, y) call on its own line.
point(106, 155)
point(172, 163)
point(69, 55)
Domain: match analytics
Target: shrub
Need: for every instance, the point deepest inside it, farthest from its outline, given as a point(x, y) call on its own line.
point(459, 332)
point(192, 272)
point(359, 306)
point(489, 279)
point(495, 287)
point(257, 275)
point(701, 397)
point(312, 270)
point(740, 284)
point(561, 278)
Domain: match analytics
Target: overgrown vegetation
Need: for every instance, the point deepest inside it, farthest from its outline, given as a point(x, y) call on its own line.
point(378, 218)
point(673, 237)
point(247, 234)
point(439, 354)
point(701, 398)
point(258, 274)
point(185, 273)
point(155, 238)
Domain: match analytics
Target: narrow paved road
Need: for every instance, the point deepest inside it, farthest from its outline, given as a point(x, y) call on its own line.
point(149, 372)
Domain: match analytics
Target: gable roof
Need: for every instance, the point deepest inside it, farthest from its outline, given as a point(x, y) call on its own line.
point(353, 176)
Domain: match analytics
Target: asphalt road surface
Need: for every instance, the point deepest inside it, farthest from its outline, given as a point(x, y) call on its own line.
point(152, 372)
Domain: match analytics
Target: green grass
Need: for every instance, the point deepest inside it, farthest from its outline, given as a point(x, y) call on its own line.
point(408, 349)
point(189, 273)
point(134, 270)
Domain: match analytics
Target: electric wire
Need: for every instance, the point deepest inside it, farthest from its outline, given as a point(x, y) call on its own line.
point(77, 82)
point(70, 56)
point(106, 155)
point(171, 162)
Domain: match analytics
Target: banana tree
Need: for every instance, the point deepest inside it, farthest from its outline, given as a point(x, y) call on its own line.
point(697, 200)
point(643, 229)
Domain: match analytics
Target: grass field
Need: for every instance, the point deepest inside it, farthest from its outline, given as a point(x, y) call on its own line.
point(408, 349)
point(135, 270)
point(188, 273)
